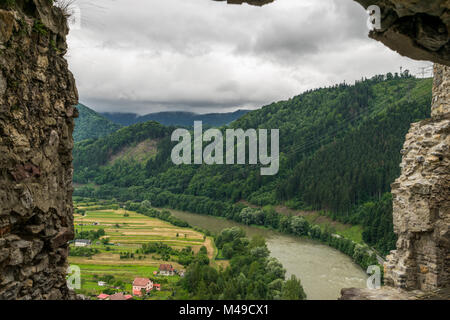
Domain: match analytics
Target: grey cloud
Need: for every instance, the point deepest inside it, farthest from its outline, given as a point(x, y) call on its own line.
point(328, 26)
point(205, 56)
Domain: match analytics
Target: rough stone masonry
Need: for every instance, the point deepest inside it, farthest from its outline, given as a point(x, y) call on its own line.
point(419, 268)
point(37, 95)
point(422, 199)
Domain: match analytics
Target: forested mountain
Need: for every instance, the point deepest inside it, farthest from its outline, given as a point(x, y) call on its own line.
point(92, 154)
point(90, 125)
point(185, 119)
point(339, 152)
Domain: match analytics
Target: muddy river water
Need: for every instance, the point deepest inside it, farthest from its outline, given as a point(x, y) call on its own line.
point(323, 270)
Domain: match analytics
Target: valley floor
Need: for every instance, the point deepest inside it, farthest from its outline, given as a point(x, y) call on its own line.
point(116, 258)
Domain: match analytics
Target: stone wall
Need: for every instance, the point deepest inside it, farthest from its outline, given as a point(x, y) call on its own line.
point(37, 95)
point(422, 199)
point(416, 29)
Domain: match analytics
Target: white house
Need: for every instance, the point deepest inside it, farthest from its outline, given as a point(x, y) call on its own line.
point(82, 243)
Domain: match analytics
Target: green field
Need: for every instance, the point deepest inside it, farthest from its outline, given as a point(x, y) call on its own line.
point(125, 232)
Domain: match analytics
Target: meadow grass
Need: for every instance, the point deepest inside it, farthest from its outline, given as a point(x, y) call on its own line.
point(127, 234)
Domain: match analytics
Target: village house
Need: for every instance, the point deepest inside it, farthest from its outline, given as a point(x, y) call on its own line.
point(82, 243)
point(116, 296)
point(101, 283)
point(120, 296)
point(166, 270)
point(103, 296)
point(140, 284)
point(157, 286)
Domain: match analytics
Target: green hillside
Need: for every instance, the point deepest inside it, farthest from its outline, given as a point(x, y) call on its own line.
point(91, 125)
point(339, 153)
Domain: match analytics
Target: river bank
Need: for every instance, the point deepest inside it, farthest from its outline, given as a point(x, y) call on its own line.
point(323, 270)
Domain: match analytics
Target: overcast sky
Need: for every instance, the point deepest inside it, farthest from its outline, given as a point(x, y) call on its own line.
point(205, 56)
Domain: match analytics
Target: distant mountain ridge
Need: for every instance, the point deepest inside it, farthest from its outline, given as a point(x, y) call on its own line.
point(175, 118)
point(339, 153)
point(91, 125)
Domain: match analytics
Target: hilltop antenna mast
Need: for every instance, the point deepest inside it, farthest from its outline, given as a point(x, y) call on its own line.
point(426, 70)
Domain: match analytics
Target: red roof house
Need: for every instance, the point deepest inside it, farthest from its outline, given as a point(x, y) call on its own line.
point(157, 286)
point(103, 296)
point(166, 270)
point(140, 284)
point(120, 296)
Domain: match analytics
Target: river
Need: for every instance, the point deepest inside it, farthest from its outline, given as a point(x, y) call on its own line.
point(322, 270)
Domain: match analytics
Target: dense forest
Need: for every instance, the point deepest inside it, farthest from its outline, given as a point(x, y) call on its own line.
point(92, 154)
point(252, 274)
point(90, 125)
point(339, 153)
